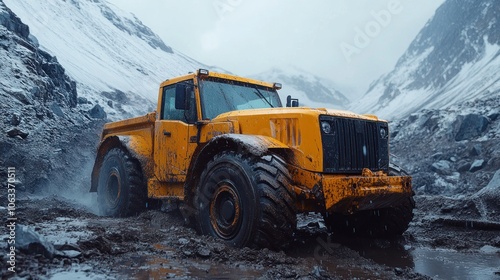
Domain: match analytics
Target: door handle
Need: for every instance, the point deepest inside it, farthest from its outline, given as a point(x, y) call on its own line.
point(167, 133)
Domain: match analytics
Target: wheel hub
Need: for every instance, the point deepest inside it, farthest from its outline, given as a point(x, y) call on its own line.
point(113, 187)
point(228, 211)
point(225, 211)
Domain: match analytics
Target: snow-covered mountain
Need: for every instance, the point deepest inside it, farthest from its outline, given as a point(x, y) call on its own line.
point(444, 98)
point(66, 67)
point(46, 135)
point(116, 61)
point(454, 58)
point(311, 90)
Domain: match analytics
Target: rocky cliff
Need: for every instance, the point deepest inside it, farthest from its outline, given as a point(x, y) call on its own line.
point(45, 133)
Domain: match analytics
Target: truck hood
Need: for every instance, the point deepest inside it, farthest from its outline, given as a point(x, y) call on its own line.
point(286, 111)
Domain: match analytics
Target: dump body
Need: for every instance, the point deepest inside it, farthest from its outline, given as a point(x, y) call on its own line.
point(338, 161)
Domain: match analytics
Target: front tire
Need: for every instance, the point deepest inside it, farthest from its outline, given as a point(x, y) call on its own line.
point(244, 200)
point(121, 190)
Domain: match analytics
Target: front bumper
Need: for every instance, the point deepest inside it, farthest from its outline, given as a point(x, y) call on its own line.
point(349, 194)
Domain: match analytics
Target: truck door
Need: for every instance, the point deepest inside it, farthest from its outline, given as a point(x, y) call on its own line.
point(174, 137)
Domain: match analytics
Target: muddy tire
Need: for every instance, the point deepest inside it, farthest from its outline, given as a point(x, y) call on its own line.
point(385, 222)
point(121, 190)
point(244, 201)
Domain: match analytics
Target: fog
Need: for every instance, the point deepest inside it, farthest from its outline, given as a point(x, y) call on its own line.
point(349, 42)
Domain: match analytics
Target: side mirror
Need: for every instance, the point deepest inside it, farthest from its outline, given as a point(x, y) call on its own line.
point(292, 102)
point(181, 100)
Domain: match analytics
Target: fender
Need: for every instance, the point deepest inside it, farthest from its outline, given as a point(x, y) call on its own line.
point(137, 146)
point(256, 145)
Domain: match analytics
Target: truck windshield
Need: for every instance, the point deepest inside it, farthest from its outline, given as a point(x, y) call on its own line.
point(220, 96)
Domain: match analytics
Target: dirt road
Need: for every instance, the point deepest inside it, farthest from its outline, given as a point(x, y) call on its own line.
point(77, 244)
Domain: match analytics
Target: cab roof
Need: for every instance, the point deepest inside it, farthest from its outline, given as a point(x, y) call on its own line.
point(202, 73)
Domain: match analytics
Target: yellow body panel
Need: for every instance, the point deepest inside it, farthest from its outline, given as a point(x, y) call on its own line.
point(298, 130)
point(138, 135)
point(213, 129)
point(168, 148)
point(157, 189)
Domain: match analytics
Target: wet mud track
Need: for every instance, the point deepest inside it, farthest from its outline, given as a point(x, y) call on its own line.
point(157, 245)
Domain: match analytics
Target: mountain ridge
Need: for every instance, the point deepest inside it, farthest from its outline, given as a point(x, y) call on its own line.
point(104, 50)
point(310, 89)
point(452, 59)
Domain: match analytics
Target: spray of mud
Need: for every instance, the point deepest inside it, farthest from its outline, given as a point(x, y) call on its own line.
point(61, 167)
point(78, 191)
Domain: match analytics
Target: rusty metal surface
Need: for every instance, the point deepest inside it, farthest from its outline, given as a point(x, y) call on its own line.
point(340, 193)
point(368, 191)
point(296, 128)
point(157, 189)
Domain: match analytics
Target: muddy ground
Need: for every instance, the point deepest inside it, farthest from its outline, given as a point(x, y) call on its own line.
point(157, 245)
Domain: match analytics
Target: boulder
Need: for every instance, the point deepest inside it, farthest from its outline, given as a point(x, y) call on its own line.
point(465, 166)
point(203, 252)
point(29, 241)
point(97, 112)
point(493, 186)
point(56, 109)
point(494, 163)
point(13, 132)
point(21, 96)
point(437, 156)
point(488, 198)
point(83, 100)
point(478, 164)
point(476, 150)
point(494, 116)
point(472, 126)
point(441, 167)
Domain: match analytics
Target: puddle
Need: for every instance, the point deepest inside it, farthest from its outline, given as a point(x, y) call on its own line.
point(445, 264)
point(153, 267)
point(165, 265)
point(78, 272)
point(317, 252)
point(436, 263)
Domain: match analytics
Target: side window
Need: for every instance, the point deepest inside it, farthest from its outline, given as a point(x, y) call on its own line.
point(169, 111)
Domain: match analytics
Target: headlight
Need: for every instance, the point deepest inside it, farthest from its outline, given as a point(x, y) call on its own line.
point(383, 132)
point(326, 127)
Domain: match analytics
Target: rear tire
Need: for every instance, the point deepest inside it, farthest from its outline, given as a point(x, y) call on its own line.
point(385, 222)
point(121, 189)
point(244, 200)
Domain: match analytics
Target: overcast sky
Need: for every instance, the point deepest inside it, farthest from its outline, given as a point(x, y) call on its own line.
point(349, 42)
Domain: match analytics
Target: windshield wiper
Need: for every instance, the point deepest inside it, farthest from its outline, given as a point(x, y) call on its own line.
point(259, 94)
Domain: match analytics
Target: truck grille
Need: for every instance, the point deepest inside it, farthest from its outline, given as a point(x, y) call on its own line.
point(354, 144)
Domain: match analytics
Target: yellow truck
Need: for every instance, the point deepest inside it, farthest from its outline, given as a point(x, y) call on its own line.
point(242, 166)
